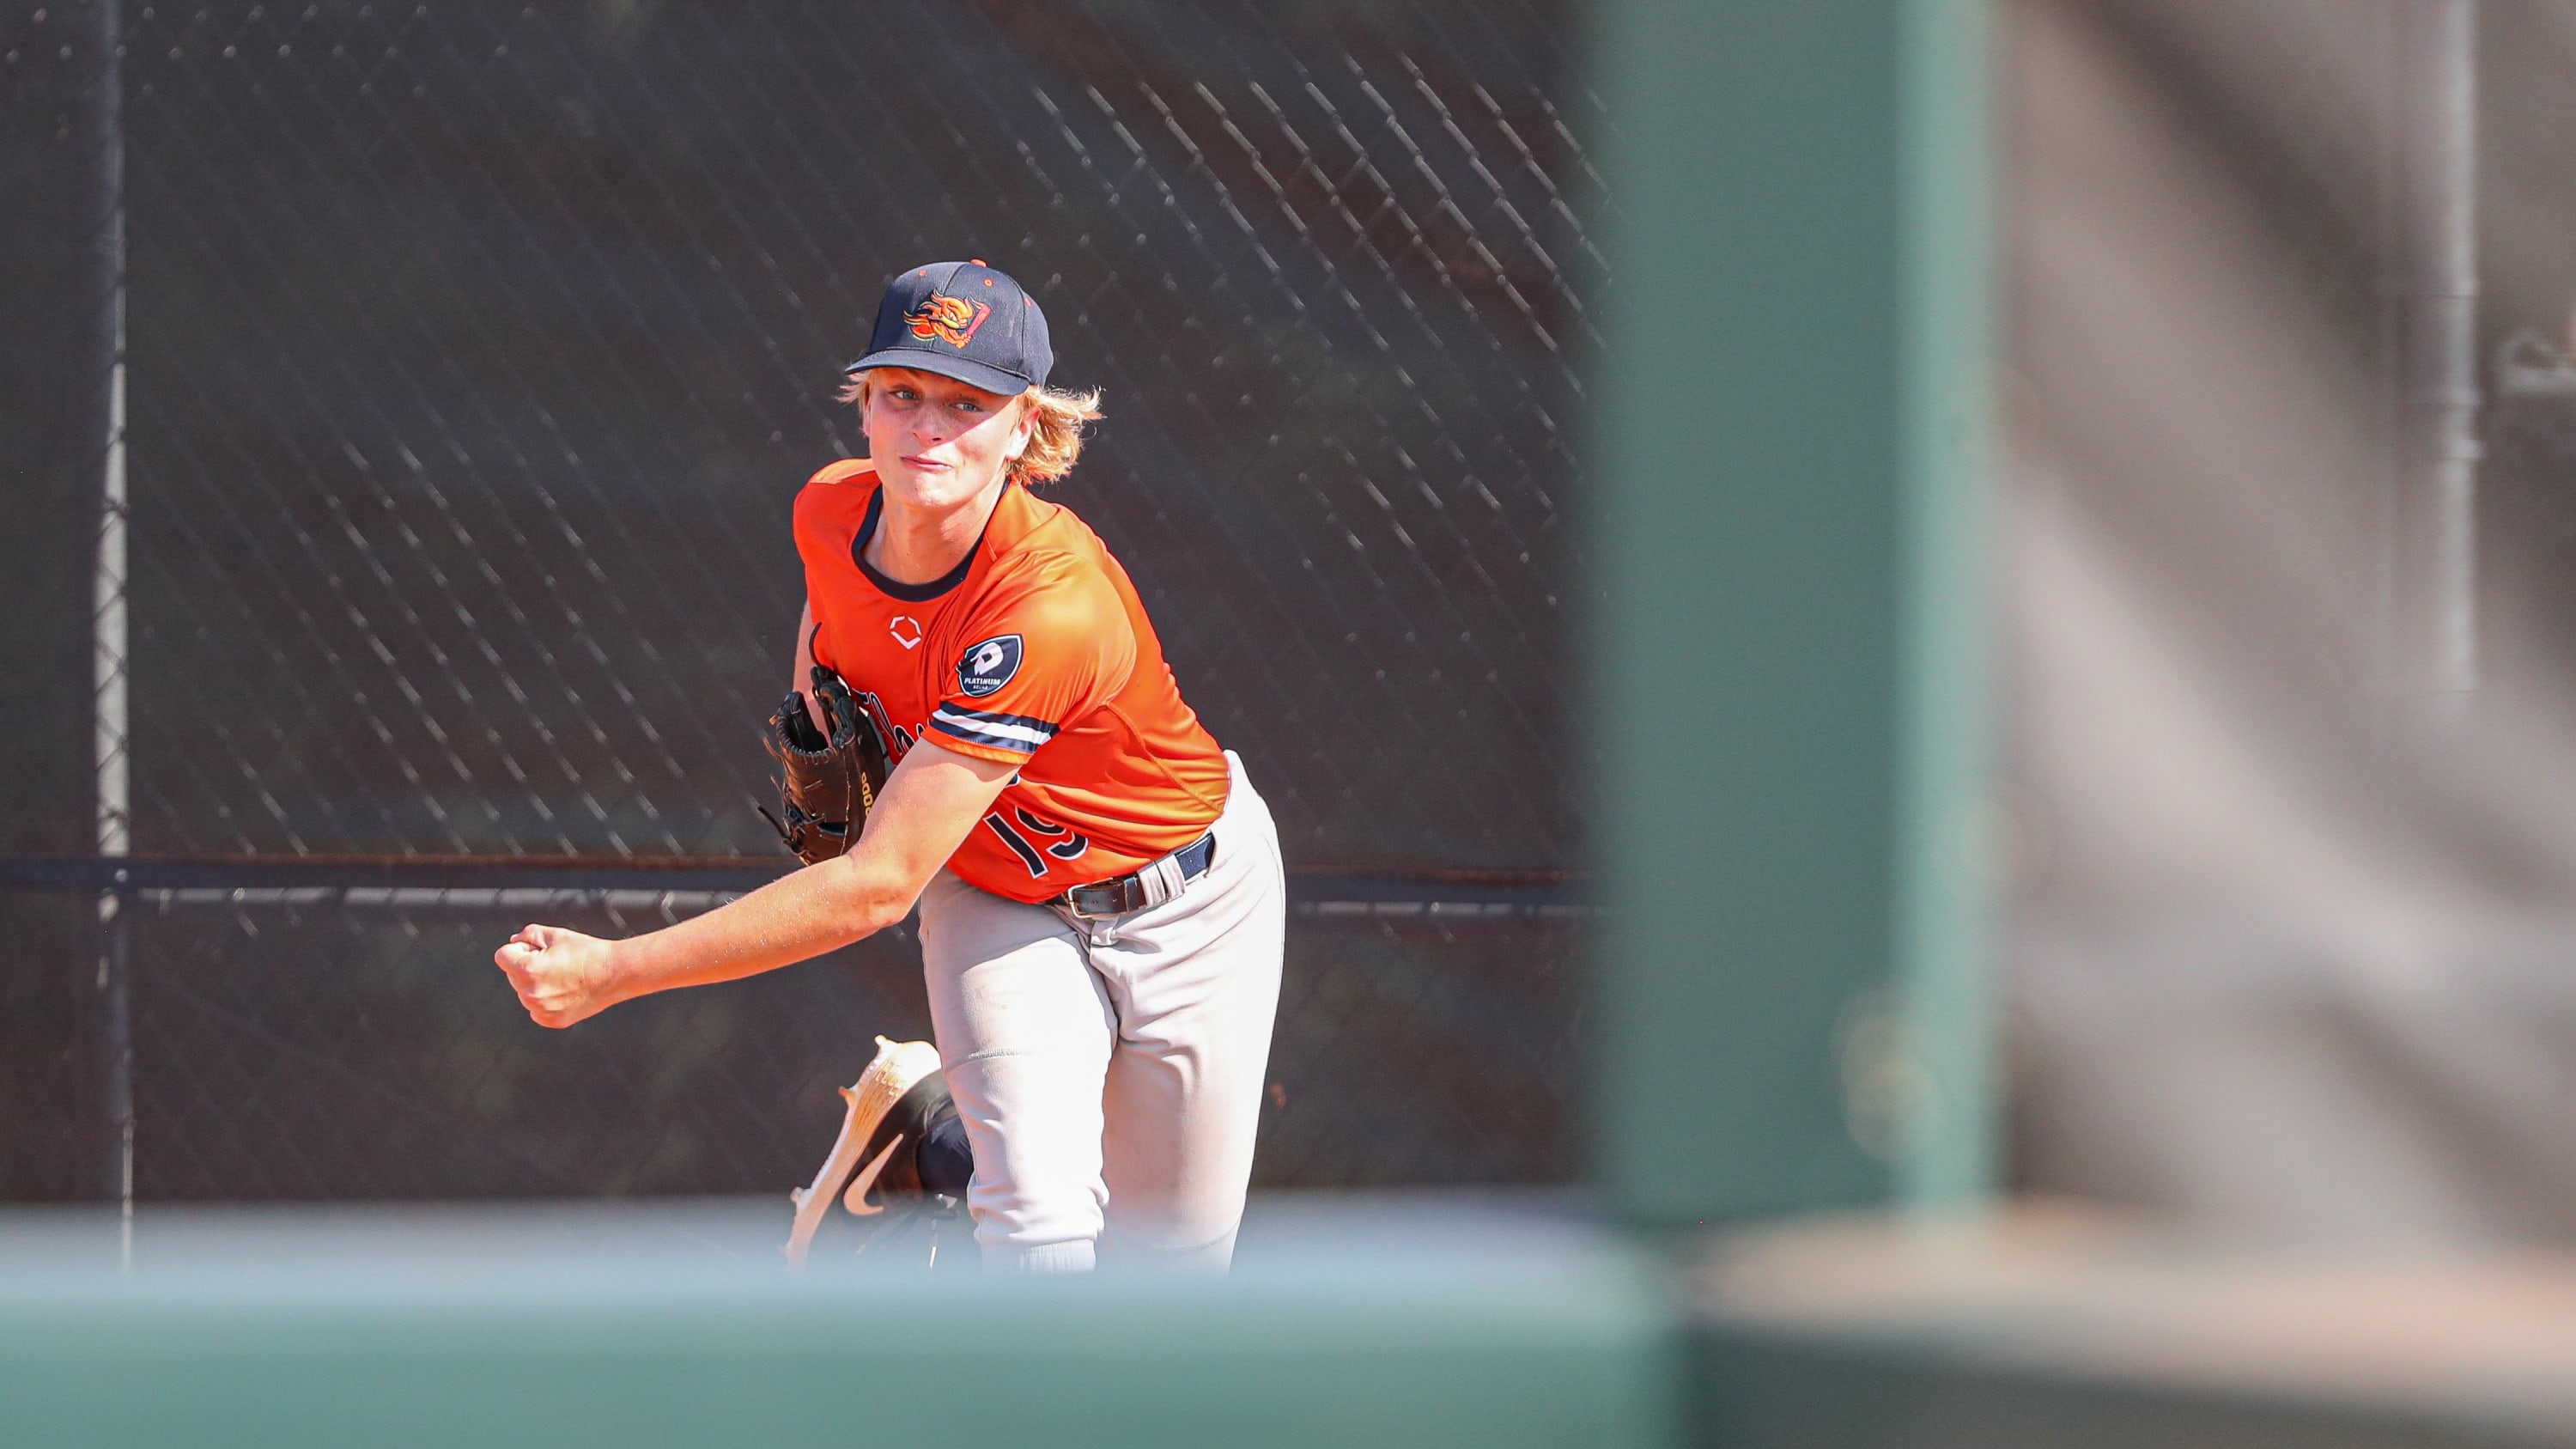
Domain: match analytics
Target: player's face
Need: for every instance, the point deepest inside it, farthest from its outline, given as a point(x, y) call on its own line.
point(937, 442)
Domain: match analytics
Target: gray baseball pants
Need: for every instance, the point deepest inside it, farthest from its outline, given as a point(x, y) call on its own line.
point(1109, 1072)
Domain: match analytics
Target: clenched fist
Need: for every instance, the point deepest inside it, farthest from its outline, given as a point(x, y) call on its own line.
point(561, 976)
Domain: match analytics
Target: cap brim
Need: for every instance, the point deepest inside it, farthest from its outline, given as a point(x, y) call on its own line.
point(965, 370)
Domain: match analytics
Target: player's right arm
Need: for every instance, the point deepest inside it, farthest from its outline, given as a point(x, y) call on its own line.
point(933, 798)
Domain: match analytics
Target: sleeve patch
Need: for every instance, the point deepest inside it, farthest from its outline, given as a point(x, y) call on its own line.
point(989, 665)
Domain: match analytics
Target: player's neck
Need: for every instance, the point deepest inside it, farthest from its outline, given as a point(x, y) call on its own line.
point(915, 545)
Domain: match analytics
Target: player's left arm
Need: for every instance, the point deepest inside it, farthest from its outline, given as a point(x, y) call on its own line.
point(930, 801)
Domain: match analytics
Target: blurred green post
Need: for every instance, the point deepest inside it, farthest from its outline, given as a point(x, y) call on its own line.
point(1788, 688)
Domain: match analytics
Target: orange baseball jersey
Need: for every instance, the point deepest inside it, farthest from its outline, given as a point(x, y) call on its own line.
point(1033, 652)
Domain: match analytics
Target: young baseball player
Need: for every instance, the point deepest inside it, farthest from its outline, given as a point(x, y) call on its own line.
point(1099, 885)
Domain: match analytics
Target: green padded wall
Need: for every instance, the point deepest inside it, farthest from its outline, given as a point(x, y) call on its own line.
point(1787, 691)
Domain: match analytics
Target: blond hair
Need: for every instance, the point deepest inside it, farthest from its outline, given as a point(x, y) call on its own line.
point(1054, 442)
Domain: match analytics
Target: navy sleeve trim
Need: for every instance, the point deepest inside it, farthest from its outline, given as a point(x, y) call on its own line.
point(993, 730)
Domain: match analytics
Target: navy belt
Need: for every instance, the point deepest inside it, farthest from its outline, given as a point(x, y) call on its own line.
point(1151, 885)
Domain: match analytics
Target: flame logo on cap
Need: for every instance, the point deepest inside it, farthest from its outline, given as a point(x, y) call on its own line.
point(952, 320)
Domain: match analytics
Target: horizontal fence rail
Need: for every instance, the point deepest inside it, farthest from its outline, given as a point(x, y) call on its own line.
point(688, 885)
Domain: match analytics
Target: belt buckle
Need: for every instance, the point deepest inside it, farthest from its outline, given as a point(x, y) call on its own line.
point(1117, 891)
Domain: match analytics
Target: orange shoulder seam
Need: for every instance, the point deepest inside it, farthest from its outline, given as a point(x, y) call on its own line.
point(845, 471)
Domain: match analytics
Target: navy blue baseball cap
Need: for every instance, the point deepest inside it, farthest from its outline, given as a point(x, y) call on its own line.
point(962, 320)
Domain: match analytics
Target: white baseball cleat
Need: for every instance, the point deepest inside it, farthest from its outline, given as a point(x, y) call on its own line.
point(891, 1106)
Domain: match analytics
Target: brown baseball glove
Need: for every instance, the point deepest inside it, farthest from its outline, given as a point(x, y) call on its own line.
point(829, 785)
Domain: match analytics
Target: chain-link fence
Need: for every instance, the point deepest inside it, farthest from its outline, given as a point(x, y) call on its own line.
point(332, 1052)
point(476, 353)
point(479, 351)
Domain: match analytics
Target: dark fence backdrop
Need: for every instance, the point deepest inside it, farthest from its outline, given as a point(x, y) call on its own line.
point(476, 354)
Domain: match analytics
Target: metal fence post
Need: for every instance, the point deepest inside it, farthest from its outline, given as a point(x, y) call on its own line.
point(2435, 556)
point(1788, 691)
point(107, 604)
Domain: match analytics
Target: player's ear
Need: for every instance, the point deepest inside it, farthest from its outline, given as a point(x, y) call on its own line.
point(1024, 430)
